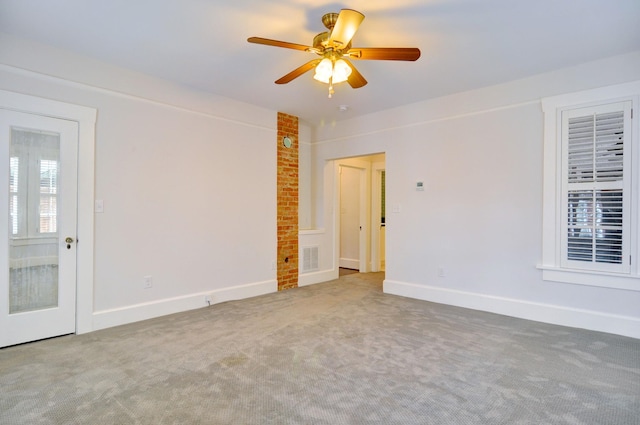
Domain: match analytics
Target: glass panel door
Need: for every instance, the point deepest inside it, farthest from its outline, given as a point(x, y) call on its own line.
point(38, 220)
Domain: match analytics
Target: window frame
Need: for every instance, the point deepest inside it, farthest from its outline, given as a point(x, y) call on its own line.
point(553, 267)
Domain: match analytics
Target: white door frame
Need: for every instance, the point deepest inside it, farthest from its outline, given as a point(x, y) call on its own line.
point(376, 212)
point(86, 119)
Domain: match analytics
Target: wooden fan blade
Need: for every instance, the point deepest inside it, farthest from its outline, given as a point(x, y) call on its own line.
point(346, 26)
point(385, 53)
point(276, 43)
point(355, 80)
point(298, 71)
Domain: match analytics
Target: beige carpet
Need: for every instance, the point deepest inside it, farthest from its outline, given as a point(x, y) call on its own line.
point(335, 353)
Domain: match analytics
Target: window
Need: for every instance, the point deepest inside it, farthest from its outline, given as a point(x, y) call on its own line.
point(33, 181)
point(591, 186)
point(48, 196)
point(14, 181)
point(595, 187)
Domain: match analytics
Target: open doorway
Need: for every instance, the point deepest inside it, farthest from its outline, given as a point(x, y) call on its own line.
point(360, 233)
point(378, 218)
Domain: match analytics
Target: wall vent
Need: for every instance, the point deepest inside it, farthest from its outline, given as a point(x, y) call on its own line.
point(309, 258)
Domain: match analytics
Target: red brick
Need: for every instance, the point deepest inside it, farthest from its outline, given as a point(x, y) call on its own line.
point(287, 208)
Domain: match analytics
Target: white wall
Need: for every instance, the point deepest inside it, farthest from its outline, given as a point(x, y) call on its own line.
point(180, 174)
point(479, 217)
point(305, 218)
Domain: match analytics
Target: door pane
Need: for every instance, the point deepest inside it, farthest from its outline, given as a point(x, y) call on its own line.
point(33, 236)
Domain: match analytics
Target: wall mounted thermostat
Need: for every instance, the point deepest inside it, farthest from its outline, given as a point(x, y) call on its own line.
point(419, 185)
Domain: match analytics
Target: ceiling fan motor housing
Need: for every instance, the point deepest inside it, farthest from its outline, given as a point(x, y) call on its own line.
point(321, 42)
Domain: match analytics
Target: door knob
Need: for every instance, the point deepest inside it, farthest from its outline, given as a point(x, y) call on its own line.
point(68, 241)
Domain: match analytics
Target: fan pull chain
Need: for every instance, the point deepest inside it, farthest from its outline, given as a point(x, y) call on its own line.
point(331, 91)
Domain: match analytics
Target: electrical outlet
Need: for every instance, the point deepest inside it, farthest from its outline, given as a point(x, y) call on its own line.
point(148, 282)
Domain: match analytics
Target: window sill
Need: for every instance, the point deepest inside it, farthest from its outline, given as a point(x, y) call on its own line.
point(590, 278)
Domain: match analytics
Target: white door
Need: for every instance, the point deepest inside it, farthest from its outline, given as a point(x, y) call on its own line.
point(38, 213)
point(350, 225)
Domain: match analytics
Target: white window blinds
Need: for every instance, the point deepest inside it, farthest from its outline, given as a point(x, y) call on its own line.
point(596, 187)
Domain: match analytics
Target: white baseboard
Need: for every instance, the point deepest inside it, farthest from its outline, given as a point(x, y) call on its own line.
point(349, 263)
point(135, 313)
point(546, 313)
point(317, 277)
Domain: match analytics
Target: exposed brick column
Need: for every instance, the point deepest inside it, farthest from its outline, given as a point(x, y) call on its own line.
point(287, 264)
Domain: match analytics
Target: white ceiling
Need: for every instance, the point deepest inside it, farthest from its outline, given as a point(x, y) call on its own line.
point(465, 44)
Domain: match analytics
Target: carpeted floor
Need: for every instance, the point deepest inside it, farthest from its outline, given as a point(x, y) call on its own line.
point(343, 272)
point(340, 352)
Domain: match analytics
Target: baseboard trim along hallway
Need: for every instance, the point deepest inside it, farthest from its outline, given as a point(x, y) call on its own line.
point(546, 313)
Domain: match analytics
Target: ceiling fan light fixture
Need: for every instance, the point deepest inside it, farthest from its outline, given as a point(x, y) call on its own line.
point(341, 71)
point(324, 71)
point(329, 71)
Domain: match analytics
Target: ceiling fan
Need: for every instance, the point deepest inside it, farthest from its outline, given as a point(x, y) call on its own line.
point(335, 50)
